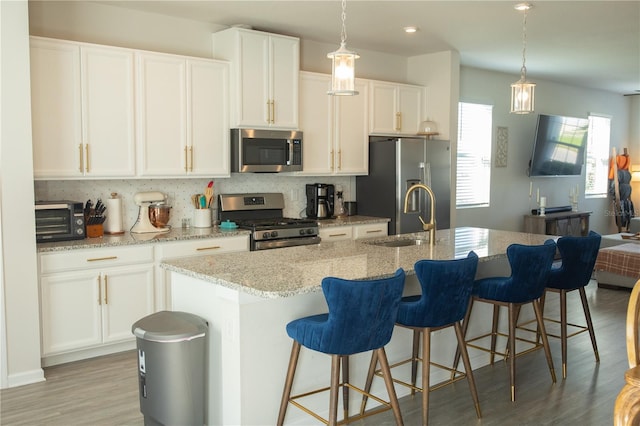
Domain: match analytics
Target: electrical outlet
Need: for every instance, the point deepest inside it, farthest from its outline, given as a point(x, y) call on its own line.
point(294, 195)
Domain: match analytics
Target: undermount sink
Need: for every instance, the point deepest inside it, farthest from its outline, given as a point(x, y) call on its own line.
point(399, 242)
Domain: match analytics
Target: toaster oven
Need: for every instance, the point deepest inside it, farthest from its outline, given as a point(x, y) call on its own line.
point(59, 221)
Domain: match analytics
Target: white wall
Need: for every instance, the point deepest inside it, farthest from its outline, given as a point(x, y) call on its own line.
point(20, 344)
point(510, 185)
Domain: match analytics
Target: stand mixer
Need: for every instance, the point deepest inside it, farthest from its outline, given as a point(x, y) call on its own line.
point(144, 199)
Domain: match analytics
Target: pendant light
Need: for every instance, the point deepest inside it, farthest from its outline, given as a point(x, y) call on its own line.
point(343, 64)
point(523, 91)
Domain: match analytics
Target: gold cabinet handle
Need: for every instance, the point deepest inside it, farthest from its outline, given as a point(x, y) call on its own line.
point(332, 160)
point(339, 159)
point(99, 290)
point(81, 158)
point(191, 156)
point(398, 121)
point(273, 111)
point(338, 235)
point(208, 248)
point(186, 160)
point(106, 290)
point(268, 111)
point(88, 167)
point(97, 259)
point(374, 231)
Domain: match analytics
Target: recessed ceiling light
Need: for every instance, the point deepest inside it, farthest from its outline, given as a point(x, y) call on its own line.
point(410, 30)
point(522, 6)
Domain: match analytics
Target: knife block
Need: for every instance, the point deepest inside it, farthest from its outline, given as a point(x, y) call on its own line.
point(95, 231)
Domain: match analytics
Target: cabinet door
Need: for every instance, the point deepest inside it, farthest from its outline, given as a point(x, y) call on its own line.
point(127, 296)
point(316, 119)
point(336, 233)
point(372, 230)
point(107, 110)
point(71, 311)
point(285, 66)
point(383, 108)
point(352, 137)
point(162, 115)
point(252, 103)
point(208, 112)
point(55, 109)
point(410, 101)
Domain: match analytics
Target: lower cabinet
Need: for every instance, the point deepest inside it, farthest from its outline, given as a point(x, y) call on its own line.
point(355, 232)
point(563, 223)
point(91, 298)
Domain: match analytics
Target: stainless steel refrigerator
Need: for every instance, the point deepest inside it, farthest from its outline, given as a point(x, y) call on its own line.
point(397, 163)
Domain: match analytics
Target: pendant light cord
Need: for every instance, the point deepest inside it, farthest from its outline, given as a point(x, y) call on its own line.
point(523, 70)
point(343, 34)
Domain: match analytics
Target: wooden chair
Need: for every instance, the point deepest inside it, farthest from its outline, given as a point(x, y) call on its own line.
point(627, 408)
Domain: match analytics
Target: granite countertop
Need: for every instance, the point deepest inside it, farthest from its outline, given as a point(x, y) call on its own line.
point(297, 270)
point(176, 234)
point(181, 234)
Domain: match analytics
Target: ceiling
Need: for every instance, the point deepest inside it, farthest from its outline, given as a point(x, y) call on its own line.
point(593, 44)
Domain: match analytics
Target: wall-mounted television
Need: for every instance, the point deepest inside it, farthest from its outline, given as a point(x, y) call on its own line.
point(559, 147)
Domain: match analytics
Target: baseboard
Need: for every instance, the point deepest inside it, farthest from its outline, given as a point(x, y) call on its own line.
point(25, 378)
point(64, 358)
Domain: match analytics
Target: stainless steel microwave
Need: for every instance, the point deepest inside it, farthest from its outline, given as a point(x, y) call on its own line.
point(266, 151)
point(59, 221)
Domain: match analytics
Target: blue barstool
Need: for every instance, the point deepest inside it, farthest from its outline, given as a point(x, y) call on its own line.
point(579, 256)
point(446, 291)
point(361, 318)
point(530, 269)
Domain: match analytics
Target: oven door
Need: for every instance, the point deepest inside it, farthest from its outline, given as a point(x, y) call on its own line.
point(284, 242)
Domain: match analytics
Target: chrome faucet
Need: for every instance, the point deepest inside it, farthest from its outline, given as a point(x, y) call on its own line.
point(431, 226)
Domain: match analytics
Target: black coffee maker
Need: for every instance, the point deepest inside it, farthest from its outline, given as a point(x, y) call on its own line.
point(320, 201)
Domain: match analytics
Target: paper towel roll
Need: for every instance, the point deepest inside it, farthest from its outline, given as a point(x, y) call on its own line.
point(113, 223)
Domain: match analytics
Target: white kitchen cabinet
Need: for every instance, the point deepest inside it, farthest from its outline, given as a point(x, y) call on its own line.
point(90, 298)
point(370, 230)
point(336, 139)
point(82, 102)
point(353, 232)
point(264, 77)
point(396, 108)
point(182, 116)
point(199, 247)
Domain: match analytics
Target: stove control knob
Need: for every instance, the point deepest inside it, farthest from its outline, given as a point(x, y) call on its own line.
point(309, 231)
point(303, 231)
point(265, 235)
point(274, 234)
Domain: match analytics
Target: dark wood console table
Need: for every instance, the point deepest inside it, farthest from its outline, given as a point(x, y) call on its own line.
point(562, 223)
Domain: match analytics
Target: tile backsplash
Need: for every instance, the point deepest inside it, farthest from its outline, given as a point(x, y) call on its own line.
point(179, 191)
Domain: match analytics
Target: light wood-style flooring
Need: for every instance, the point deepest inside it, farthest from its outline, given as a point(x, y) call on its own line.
point(104, 391)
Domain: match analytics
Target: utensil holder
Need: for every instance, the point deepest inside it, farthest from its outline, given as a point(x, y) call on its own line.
point(202, 218)
point(94, 231)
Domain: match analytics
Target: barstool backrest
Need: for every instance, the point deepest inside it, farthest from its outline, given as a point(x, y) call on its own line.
point(362, 314)
point(530, 268)
point(446, 290)
point(579, 255)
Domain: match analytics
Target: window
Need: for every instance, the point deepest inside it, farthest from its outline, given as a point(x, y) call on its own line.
point(597, 164)
point(474, 155)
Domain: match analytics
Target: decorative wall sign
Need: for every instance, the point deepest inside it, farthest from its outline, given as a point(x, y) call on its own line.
point(502, 145)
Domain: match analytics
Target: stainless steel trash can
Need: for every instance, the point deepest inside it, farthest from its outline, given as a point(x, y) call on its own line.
point(172, 368)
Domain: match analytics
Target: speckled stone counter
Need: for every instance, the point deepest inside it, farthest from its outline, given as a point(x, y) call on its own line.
point(351, 220)
point(297, 270)
point(176, 234)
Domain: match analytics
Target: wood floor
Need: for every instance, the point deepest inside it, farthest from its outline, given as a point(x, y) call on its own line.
point(104, 391)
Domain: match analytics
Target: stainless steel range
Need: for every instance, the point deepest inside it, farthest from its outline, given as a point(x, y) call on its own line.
point(262, 214)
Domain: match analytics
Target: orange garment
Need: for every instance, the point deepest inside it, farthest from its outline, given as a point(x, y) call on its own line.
point(623, 162)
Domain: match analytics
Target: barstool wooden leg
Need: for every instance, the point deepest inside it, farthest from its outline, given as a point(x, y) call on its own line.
point(291, 371)
point(367, 384)
point(462, 347)
point(333, 391)
point(494, 332)
point(512, 350)
point(414, 359)
point(563, 331)
point(426, 370)
point(388, 381)
point(545, 340)
point(465, 326)
point(345, 389)
point(587, 316)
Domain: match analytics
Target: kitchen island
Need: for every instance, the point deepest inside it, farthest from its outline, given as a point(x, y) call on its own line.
point(248, 298)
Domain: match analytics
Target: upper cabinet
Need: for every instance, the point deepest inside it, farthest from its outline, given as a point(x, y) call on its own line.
point(336, 140)
point(396, 108)
point(264, 77)
point(82, 101)
point(183, 116)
